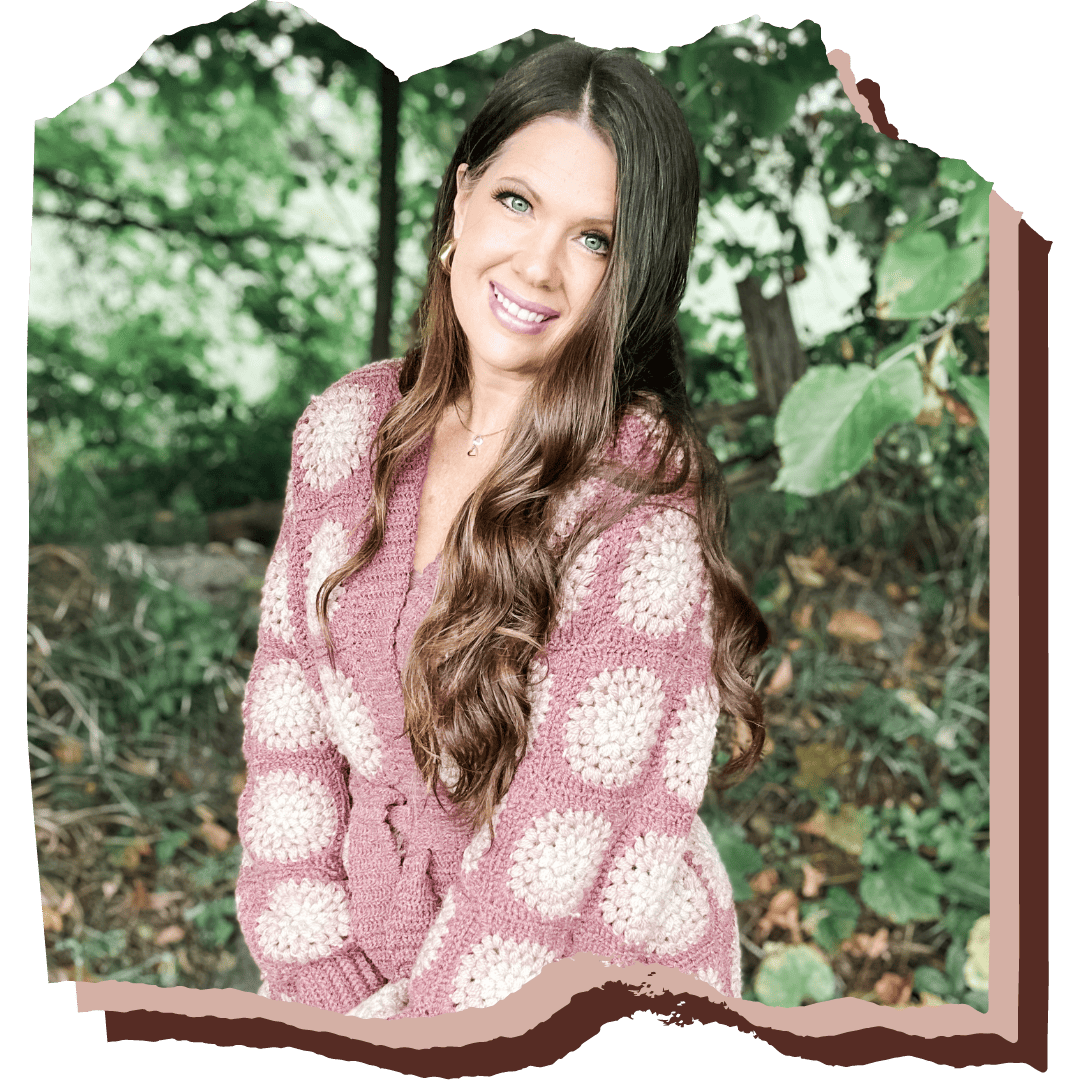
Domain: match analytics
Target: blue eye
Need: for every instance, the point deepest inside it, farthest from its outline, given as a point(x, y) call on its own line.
point(518, 203)
point(596, 242)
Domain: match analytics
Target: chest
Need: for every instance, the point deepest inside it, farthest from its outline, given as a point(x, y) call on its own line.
point(452, 476)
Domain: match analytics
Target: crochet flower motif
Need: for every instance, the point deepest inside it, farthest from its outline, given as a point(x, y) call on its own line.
point(349, 723)
point(577, 581)
point(384, 1003)
point(705, 857)
point(436, 932)
point(328, 550)
point(304, 921)
point(335, 434)
point(573, 505)
point(714, 978)
point(289, 817)
point(274, 607)
point(611, 730)
point(288, 507)
point(479, 844)
point(653, 899)
point(495, 968)
point(281, 708)
point(539, 693)
point(689, 747)
point(707, 619)
point(663, 575)
point(556, 860)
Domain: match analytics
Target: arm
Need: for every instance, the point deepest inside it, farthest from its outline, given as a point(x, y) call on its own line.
point(595, 842)
point(292, 893)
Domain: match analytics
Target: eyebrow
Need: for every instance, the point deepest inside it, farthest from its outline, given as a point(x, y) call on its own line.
point(531, 191)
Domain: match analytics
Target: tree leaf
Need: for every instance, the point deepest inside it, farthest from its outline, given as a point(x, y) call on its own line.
point(974, 389)
point(793, 974)
point(829, 419)
point(905, 889)
point(974, 217)
point(919, 274)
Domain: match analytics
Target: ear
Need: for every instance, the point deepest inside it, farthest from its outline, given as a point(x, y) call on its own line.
point(461, 199)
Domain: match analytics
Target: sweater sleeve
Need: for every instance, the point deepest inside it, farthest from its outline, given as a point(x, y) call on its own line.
point(292, 892)
point(596, 842)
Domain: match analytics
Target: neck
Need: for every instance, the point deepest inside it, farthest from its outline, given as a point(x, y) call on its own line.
point(493, 399)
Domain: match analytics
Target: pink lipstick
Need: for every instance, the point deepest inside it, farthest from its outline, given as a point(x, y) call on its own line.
point(516, 313)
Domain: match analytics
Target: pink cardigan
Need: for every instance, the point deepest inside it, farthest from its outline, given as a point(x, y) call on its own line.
point(357, 891)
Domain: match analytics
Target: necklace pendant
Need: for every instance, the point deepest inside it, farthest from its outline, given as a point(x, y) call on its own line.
point(477, 440)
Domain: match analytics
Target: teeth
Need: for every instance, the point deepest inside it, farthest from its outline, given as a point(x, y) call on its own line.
point(523, 314)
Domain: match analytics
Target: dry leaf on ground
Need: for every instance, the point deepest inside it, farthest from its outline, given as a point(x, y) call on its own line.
point(854, 627)
point(764, 881)
point(802, 570)
point(813, 879)
point(894, 989)
point(782, 677)
point(846, 829)
point(869, 945)
point(819, 763)
point(170, 936)
point(783, 913)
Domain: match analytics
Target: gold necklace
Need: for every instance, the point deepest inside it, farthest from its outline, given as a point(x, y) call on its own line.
point(477, 439)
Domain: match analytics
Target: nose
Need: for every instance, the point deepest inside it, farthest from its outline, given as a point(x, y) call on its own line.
point(538, 261)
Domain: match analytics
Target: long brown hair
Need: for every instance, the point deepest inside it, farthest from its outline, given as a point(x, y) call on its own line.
point(466, 678)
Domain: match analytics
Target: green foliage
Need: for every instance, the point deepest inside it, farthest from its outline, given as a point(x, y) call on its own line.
point(905, 889)
point(829, 420)
point(740, 859)
point(793, 975)
point(919, 275)
point(833, 919)
point(169, 666)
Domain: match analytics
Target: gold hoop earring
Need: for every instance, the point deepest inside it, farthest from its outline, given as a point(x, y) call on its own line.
point(446, 254)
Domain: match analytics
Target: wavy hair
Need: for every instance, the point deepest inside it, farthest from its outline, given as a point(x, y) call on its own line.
point(466, 679)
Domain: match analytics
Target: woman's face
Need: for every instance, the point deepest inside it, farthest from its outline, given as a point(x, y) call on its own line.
point(533, 236)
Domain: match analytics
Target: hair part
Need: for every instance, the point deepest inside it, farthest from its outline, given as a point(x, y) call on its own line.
point(465, 681)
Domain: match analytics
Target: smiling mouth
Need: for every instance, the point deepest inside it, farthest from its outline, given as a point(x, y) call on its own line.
point(521, 309)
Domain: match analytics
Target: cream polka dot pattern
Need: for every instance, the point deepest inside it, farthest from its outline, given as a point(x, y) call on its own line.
point(480, 843)
point(336, 434)
point(305, 920)
point(573, 505)
point(689, 747)
point(494, 969)
point(290, 817)
point(653, 899)
point(612, 729)
point(282, 711)
point(539, 693)
point(556, 860)
point(274, 607)
point(663, 576)
point(577, 581)
point(328, 550)
point(706, 858)
point(384, 1003)
point(349, 723)
point(435, 935)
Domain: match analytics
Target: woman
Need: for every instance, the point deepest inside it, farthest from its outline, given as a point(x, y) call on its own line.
point(498, 626)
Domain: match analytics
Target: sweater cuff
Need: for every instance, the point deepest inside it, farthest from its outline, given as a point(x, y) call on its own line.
point(335, 983)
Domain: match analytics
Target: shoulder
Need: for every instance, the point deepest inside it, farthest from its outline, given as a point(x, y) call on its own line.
point(337, 429)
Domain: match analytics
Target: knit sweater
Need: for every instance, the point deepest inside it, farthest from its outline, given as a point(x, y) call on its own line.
point(362, 893)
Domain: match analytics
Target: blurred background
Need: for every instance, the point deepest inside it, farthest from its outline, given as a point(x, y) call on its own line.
point(243, 217)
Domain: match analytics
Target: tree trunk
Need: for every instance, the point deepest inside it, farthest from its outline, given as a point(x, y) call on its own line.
point(776, 357)
point(389, 105)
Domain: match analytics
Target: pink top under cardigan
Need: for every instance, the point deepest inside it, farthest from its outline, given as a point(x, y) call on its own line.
point(358, 892)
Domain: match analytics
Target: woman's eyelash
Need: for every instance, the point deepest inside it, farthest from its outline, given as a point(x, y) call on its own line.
point(509, 193)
